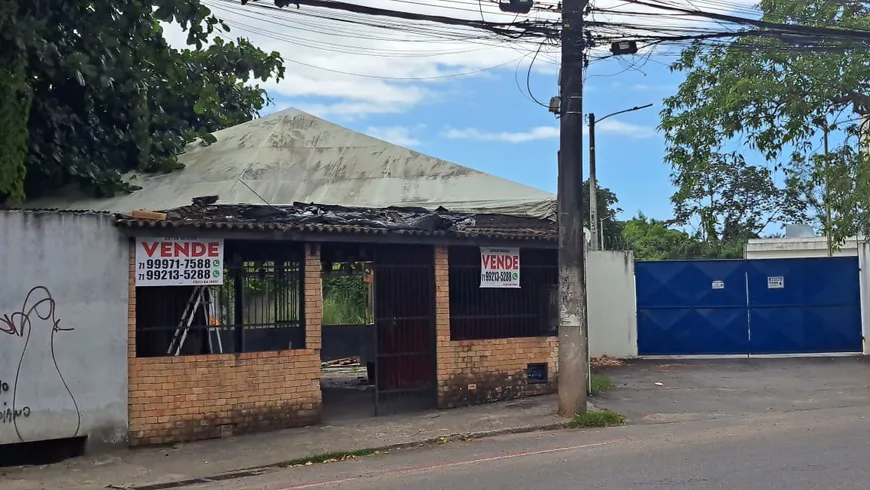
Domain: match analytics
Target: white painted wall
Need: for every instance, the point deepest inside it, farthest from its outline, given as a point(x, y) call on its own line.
point(864, 268)
point(63, 328)
point(611, 304)
point(796, 248)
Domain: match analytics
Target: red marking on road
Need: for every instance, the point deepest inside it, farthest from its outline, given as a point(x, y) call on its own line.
point(318, 483)
point(465, 462)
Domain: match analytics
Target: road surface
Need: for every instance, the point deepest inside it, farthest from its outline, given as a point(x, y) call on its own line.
point(822, 449)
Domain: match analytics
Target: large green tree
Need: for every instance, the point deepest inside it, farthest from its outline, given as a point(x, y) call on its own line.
point(732, 201)
point(776, 96)
point(652, 239)
point(92, 90)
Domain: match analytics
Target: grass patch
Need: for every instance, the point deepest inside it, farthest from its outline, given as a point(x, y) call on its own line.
point(337, 312)
point(600, 383)
point(597, 418)
point(330, 457)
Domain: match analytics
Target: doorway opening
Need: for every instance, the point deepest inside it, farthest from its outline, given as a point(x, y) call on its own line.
point(378, 330)
point(347, 352)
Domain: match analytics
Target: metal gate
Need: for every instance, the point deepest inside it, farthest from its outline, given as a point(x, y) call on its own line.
point(775, 306)
point(404, 290)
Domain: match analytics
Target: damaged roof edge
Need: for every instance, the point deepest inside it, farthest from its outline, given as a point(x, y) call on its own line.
point(301, 218)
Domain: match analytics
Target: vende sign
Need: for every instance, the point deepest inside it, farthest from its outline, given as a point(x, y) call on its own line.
point(179, 262)
point(499, 267)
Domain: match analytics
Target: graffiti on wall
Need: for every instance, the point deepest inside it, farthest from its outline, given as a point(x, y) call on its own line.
point(35, 327)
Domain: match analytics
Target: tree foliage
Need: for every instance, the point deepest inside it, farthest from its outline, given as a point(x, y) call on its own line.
point(92, 90)
point(652, 239)
point(777, 98)
point(731, 200)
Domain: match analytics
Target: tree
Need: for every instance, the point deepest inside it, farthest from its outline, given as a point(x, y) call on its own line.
point(97, 91)
point(652, 239)
point(731, 200)
point(833, 187)
point(778, 97)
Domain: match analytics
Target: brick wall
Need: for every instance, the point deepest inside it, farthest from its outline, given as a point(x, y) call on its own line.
point(186, 398)
point(480, 371)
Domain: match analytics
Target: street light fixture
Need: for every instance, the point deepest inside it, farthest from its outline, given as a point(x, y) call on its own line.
point(593, 186)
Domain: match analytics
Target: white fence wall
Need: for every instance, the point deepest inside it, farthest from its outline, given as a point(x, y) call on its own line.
point(611, 304)
point(864, 268)
point(63, 328)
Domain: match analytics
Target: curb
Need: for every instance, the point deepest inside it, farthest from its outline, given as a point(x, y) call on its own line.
point(259, 470)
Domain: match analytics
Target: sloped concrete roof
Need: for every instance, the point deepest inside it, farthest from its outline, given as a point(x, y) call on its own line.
point(291, 156)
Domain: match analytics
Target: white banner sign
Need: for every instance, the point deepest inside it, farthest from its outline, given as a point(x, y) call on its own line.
point(179, 262)
point(499, 267)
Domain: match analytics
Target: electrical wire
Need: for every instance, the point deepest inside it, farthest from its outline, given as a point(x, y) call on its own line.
point(381, 77)
point(529, 77)
point(657, 26)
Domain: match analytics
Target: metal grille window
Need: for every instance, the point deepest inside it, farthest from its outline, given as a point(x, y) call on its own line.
point(479, 313)
point(259, 307)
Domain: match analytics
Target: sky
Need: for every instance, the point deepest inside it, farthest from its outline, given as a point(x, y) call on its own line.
point(461, 95)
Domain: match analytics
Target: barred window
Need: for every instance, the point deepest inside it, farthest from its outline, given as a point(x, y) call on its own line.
point(259, 307)
point(489, 313)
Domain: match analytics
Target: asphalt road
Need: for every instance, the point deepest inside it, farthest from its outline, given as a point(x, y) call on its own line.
point(813, 449)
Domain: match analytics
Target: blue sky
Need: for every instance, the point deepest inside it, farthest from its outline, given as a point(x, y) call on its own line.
point(403, 86)
point(501, 123)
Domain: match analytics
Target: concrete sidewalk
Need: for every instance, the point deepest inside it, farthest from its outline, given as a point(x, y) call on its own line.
point(132, 468)
point(663, 391)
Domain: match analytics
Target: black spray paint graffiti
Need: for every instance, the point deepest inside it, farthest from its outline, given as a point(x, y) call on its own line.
point(7, 415)
point(38, 304)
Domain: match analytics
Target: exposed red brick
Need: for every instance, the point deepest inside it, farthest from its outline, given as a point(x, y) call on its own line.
point(479, 371)
point(173, 399)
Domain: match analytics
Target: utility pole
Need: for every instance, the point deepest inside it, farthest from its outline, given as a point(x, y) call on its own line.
point(572, 256)
point(593, 185)
point(594, 225)
point(827, 194)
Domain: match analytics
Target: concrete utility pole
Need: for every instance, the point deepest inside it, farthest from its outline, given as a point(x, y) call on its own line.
point(593, 185)
point(572, 256)
point(827, 194)
point(594, 225)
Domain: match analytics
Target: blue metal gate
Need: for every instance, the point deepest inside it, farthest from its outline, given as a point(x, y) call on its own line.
point(776, 306)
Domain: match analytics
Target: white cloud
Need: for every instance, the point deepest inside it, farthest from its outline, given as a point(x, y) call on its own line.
point(608, 126)
point(615, 126)
point(351, 70)
point(393, 134)
point(534, 134)
point(643, 87)
point(339, 67)
point(348, 110)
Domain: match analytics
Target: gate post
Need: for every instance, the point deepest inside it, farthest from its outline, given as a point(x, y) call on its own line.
point(443, 348)
point(312, 311)
point(313, 284)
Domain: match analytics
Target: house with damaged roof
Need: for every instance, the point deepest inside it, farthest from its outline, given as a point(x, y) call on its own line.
point(295, 272)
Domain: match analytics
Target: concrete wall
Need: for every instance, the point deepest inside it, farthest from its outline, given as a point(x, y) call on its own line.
point(864, 271)
point(63, 328)
point(611, 304)
point(797, 248)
